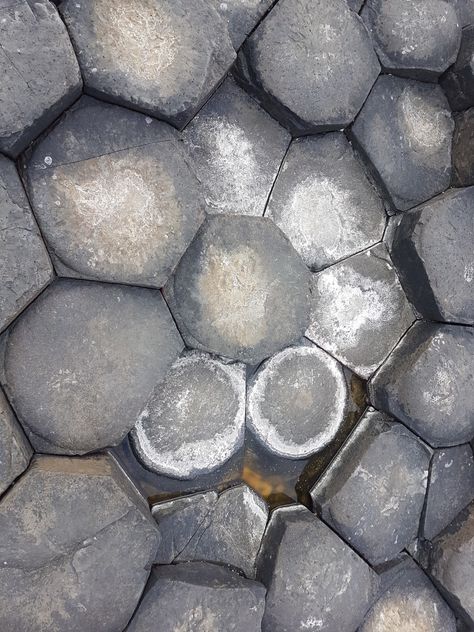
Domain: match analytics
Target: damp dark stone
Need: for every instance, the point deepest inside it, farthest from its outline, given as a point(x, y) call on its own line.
point(458, 82)
point(463, 149)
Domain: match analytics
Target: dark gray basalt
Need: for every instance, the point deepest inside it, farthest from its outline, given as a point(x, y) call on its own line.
point(81, 362)
point(465, 11)
point(310, 63)
point(76, 546)
point(405, 129)
point(241, 17)
point(199, 596)
point(156, 56)
point(463, 149)
point(372, 494)
point(15, 451)
point(428, 383)
point(458, 82)
point(113, 195)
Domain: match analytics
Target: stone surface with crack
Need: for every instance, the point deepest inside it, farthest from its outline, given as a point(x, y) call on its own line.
point(241, 17)
point(458, 82)
point(463, 149)
point(15, 451)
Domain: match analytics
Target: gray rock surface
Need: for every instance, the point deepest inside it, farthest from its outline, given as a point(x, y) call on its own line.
point(458, 82)
point(241, 16)
point(465, 11)
point(310, 63)
point(324, 202)
point(15, 451)
point(355, 5)
point(81, 362)
point(405, 129)
point(76, 546)
point(463, 149)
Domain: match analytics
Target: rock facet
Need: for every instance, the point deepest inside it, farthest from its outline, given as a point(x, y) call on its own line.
point(15, 451)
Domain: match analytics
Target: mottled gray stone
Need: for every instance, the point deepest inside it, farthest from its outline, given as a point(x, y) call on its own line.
point(25, 268)
point(463, 149)
point(76, 546)
point(324, 202)
point(240, 290)
point(15, 451)
point(156, 56)
point(458, 82)
point(236, 149)
point(427, 382)
point(81, 362)
point(310, 63)
point(355, 5)
point(199, 596)
point(359, 310)
point(465, 11)
point(314, 580)
point(405, 129)
point(39, 80)
point(241, 16)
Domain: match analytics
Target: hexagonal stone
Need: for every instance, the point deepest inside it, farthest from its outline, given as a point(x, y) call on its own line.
point(236, 150)
point(38, 80)
point(372, 494)
point(405, 129)
point(418, 38)
point(15, 451)
point(324, 202)
point(463, 149)
point(428, 383)
point(76, 545)
point(199, 596)
point(25, 268)
point(82, 360)
point(156, 56)
point(458, 82)
point(113, 195)
point(314, 581)
point(195, 419)
point(241, 16)
point(240, 290)
point(310, 63)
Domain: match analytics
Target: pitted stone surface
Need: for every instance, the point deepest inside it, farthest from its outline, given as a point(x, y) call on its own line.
point(236, 150)
point(372, 494)
point(15, 451)
point(113, 195)
point(199, 596)
point(25, 268)
point(241, 16)
point(82, 360)
point(39, 81)
point(463, 149)
point(359, 310)
point(313, 579)
point(76, 546)
point(428, 383)
point(405, 128)
point(323, 201)
point(240, 290)
point(157, 56)
point(458, 82)
point(310, 63)
point(194, 421)
point(414, 38)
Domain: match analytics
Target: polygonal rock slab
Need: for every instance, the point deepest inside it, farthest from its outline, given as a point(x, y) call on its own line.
point(458, 82)
point(313, 579)
point(405, 128)
point(195, 419)
point(414, 38)
point(241, 16)
point(113, 195)
point(463, 149)
point(156, 56)
point(81, 362)
point(39, 81)
point(427, 382)
point(25, 268)
point(15, 451)
point(76, 545)
point(310, 63)
point(199, 596)
point(372, 494)
point(432, 248)
point(240, 290)
point(359, 310)
point(323, 201)
point(236, 150)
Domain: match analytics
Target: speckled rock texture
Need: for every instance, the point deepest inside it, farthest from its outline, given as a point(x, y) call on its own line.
point(458, 82)
point(15, 451)
point(463, 149)
point(241, 16)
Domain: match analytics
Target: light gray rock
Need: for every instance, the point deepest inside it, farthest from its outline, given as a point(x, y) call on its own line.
point(465, 11)
point(241, 16)
point(458, 82)
point(463, 149)
point(15, 451)
point(355, 5)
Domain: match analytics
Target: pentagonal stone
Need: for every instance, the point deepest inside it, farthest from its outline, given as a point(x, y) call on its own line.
point(38, 80)
point(405, 128)
point(113, 195)
point(25, 268)
point(323, 201)
point(428, 383)
point(81, 362)
point(15, 451)
point(418, 38)
point(236, 150)
point(314, 580)
point(241, 16)
point(310, 63)
point(458, 82)
point(240, 290)
point(156, 56)
point(199, 596)
point(76, 545)
point(463, 149)
point(359, 310)
point(194, 421)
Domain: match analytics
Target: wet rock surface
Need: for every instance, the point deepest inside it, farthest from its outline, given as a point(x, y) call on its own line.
point(458, 82)
point(15, 451)
point(463, 149)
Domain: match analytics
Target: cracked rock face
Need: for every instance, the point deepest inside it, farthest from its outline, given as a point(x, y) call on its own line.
point(463, 149)
point(87, 519)
point(241, 16)
point(15, 451)
point(458, 82)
